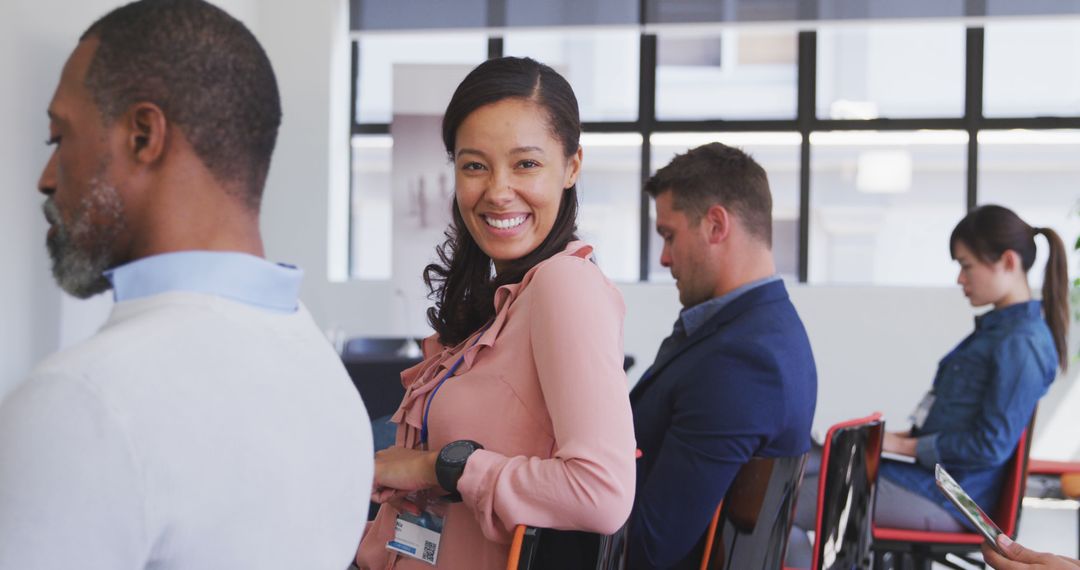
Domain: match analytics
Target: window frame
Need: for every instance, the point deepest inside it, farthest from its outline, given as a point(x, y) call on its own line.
point(805, 123)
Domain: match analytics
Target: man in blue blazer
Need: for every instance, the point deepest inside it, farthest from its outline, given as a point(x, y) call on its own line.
point(736, 378)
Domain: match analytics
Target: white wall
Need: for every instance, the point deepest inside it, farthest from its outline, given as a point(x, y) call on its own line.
point(876, 348)
point(37, 37)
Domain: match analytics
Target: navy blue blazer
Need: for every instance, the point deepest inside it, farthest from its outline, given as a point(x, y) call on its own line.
point(743, 385)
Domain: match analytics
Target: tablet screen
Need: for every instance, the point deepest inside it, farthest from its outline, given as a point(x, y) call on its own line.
point(966, 505)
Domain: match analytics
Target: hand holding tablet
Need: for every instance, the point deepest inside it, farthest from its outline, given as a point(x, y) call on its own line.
point(1019, 558)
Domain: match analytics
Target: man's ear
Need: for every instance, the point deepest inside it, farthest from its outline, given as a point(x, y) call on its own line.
point(718, 221)
point(146, 133)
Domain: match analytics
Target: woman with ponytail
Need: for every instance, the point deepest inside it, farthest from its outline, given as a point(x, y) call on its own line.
point(519, 413)
point(986, 389)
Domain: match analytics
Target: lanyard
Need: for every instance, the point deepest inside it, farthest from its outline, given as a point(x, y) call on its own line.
point(453, 369)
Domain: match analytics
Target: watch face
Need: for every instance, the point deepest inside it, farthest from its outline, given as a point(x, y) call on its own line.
point(457, 452)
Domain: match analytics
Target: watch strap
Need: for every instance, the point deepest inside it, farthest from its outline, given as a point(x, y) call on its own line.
point(448, 472)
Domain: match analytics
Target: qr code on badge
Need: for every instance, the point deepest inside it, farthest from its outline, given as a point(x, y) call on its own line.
point(429, 551)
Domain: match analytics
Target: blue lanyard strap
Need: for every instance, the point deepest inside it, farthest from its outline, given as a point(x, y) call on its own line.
point(450, 373)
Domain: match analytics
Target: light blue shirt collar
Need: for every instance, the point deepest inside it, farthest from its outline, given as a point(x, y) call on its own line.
point(236, 276)
point(693, 318)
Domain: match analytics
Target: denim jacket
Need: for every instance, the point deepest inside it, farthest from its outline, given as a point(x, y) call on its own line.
point(985, 393)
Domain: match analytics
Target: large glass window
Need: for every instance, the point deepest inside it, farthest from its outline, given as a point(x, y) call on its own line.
point(371, 207)
point(379, 54)
point(1037, 175)
point(892, 71)
point(778, 154)
point(882, 191)
point(882, 206)
point(1031, 69)
point(609, 191)
point(734, 75)
point(601, 66)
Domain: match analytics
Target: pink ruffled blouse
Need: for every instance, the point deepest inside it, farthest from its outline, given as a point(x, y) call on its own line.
point(543, 390)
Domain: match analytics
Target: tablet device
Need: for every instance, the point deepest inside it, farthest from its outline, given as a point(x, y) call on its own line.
point(967, 506)
point(900, 457)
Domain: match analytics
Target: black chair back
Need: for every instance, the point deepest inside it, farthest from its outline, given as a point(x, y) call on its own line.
point(375, 366)
point(752, 524)
point(847, 487)
point(550, 549)
point(366, 346)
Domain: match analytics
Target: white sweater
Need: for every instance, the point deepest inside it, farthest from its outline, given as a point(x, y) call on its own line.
point(192, 432)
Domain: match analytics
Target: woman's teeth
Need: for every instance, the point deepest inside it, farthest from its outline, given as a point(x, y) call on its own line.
point(505, 224)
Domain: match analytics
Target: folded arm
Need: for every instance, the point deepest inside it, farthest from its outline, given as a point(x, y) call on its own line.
point(588, 484)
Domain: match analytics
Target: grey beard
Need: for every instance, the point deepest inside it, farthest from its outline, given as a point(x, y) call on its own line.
point(82, 252)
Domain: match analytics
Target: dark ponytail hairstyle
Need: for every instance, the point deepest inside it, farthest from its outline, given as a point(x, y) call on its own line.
point(989, 231)
point(461, 282)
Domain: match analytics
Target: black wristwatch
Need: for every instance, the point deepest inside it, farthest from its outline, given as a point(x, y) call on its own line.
point(450, 464)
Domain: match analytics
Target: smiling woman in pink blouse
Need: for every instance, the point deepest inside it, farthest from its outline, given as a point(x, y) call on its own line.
point(519, 412)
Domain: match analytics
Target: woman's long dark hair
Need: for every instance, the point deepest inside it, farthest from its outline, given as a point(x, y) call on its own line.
point(461, 282)
point(989, 231)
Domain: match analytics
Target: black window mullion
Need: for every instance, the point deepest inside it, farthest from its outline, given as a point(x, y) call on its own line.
point(974, 8)
point(371, 129)
point(353, 84)
point(646, 121)
point(355, 66)
point(496, 18)
point(495, 47)
point(727, 126)
point(914, 124)
point(1033, 123)
point(973, 109)
point(805, 118)
point(496, 14)
point(611, 127)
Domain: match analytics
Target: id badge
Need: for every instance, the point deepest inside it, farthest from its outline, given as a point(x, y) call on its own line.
point(918, 417)
point(418, 536)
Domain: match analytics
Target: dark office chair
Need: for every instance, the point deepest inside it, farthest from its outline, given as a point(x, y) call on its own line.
point(375, 366)
point(750, 528)
point(367, 346)
point(922, 548)
point(846, 489)
point(535, 548)
point(549, 549)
